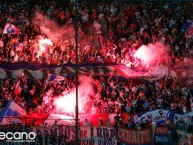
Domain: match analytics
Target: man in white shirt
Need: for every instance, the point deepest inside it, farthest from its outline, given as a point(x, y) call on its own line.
point(86, 123)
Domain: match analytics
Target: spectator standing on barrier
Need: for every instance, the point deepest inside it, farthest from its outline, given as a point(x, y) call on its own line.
point(108, 122)
point(101, 123)
point(86, 122)
point(55, 123)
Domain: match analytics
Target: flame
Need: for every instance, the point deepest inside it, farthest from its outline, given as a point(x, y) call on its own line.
point(43, 43)
point(66, 103)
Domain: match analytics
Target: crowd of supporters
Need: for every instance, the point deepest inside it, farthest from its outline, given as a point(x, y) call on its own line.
point(109, 32)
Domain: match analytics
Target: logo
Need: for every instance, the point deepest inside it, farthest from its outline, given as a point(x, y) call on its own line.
point(161, 139)
point(17, 136)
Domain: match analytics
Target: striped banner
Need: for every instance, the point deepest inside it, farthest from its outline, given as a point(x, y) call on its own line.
point(33, 71)
point(43, 71)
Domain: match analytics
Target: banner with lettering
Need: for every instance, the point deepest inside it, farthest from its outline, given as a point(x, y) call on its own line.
point(55, 131)
point(39, 140)
point(59, 132)
point(104, 135)
point(158, 116)
point(135, 137)
point(49, 140)
point(161, 134)
point(98, 136)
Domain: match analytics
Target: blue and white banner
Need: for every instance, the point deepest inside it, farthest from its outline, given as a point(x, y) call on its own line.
point(33, 71)
point(11, 29)
point(55, 78)
point(158, 116)
point(11, 113)
point(184, 116)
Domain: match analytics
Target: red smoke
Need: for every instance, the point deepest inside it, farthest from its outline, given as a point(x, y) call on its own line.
point(66, 103)
point(53, 30)
point(152, 53)
point(43, 44)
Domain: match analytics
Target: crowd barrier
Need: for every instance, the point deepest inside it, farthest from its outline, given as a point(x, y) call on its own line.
point(151, 134)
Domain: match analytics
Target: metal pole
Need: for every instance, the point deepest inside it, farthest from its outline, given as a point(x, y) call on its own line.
point(43, 137)
point(76, 67)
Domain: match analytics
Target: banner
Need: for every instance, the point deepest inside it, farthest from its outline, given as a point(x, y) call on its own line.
point(99, 136)
point(11, 111)
point(184, 116)
point(158, 115)
point(135, 137)
point(14, 70)
point(49, 140)
point(161, 135)
point(66, 71)
point(104, 135)
point(11, 29)
point(32, 71)
point(67, 131)
point(157, 72)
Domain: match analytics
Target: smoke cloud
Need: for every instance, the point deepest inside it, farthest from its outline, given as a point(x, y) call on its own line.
point(66, 102)
point(52, 30)
point(152, 53)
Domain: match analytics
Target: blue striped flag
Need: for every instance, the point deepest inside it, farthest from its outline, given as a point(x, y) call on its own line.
point(10, 111)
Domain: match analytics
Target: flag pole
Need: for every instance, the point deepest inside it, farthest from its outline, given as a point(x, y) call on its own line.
point(76, 67)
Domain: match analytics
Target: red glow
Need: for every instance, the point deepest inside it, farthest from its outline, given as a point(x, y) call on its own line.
point(152, 53)
point(66, 103)
point(144, 54)
point(43, 43)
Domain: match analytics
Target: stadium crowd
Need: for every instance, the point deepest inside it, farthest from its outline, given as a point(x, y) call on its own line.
point(108, 33)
